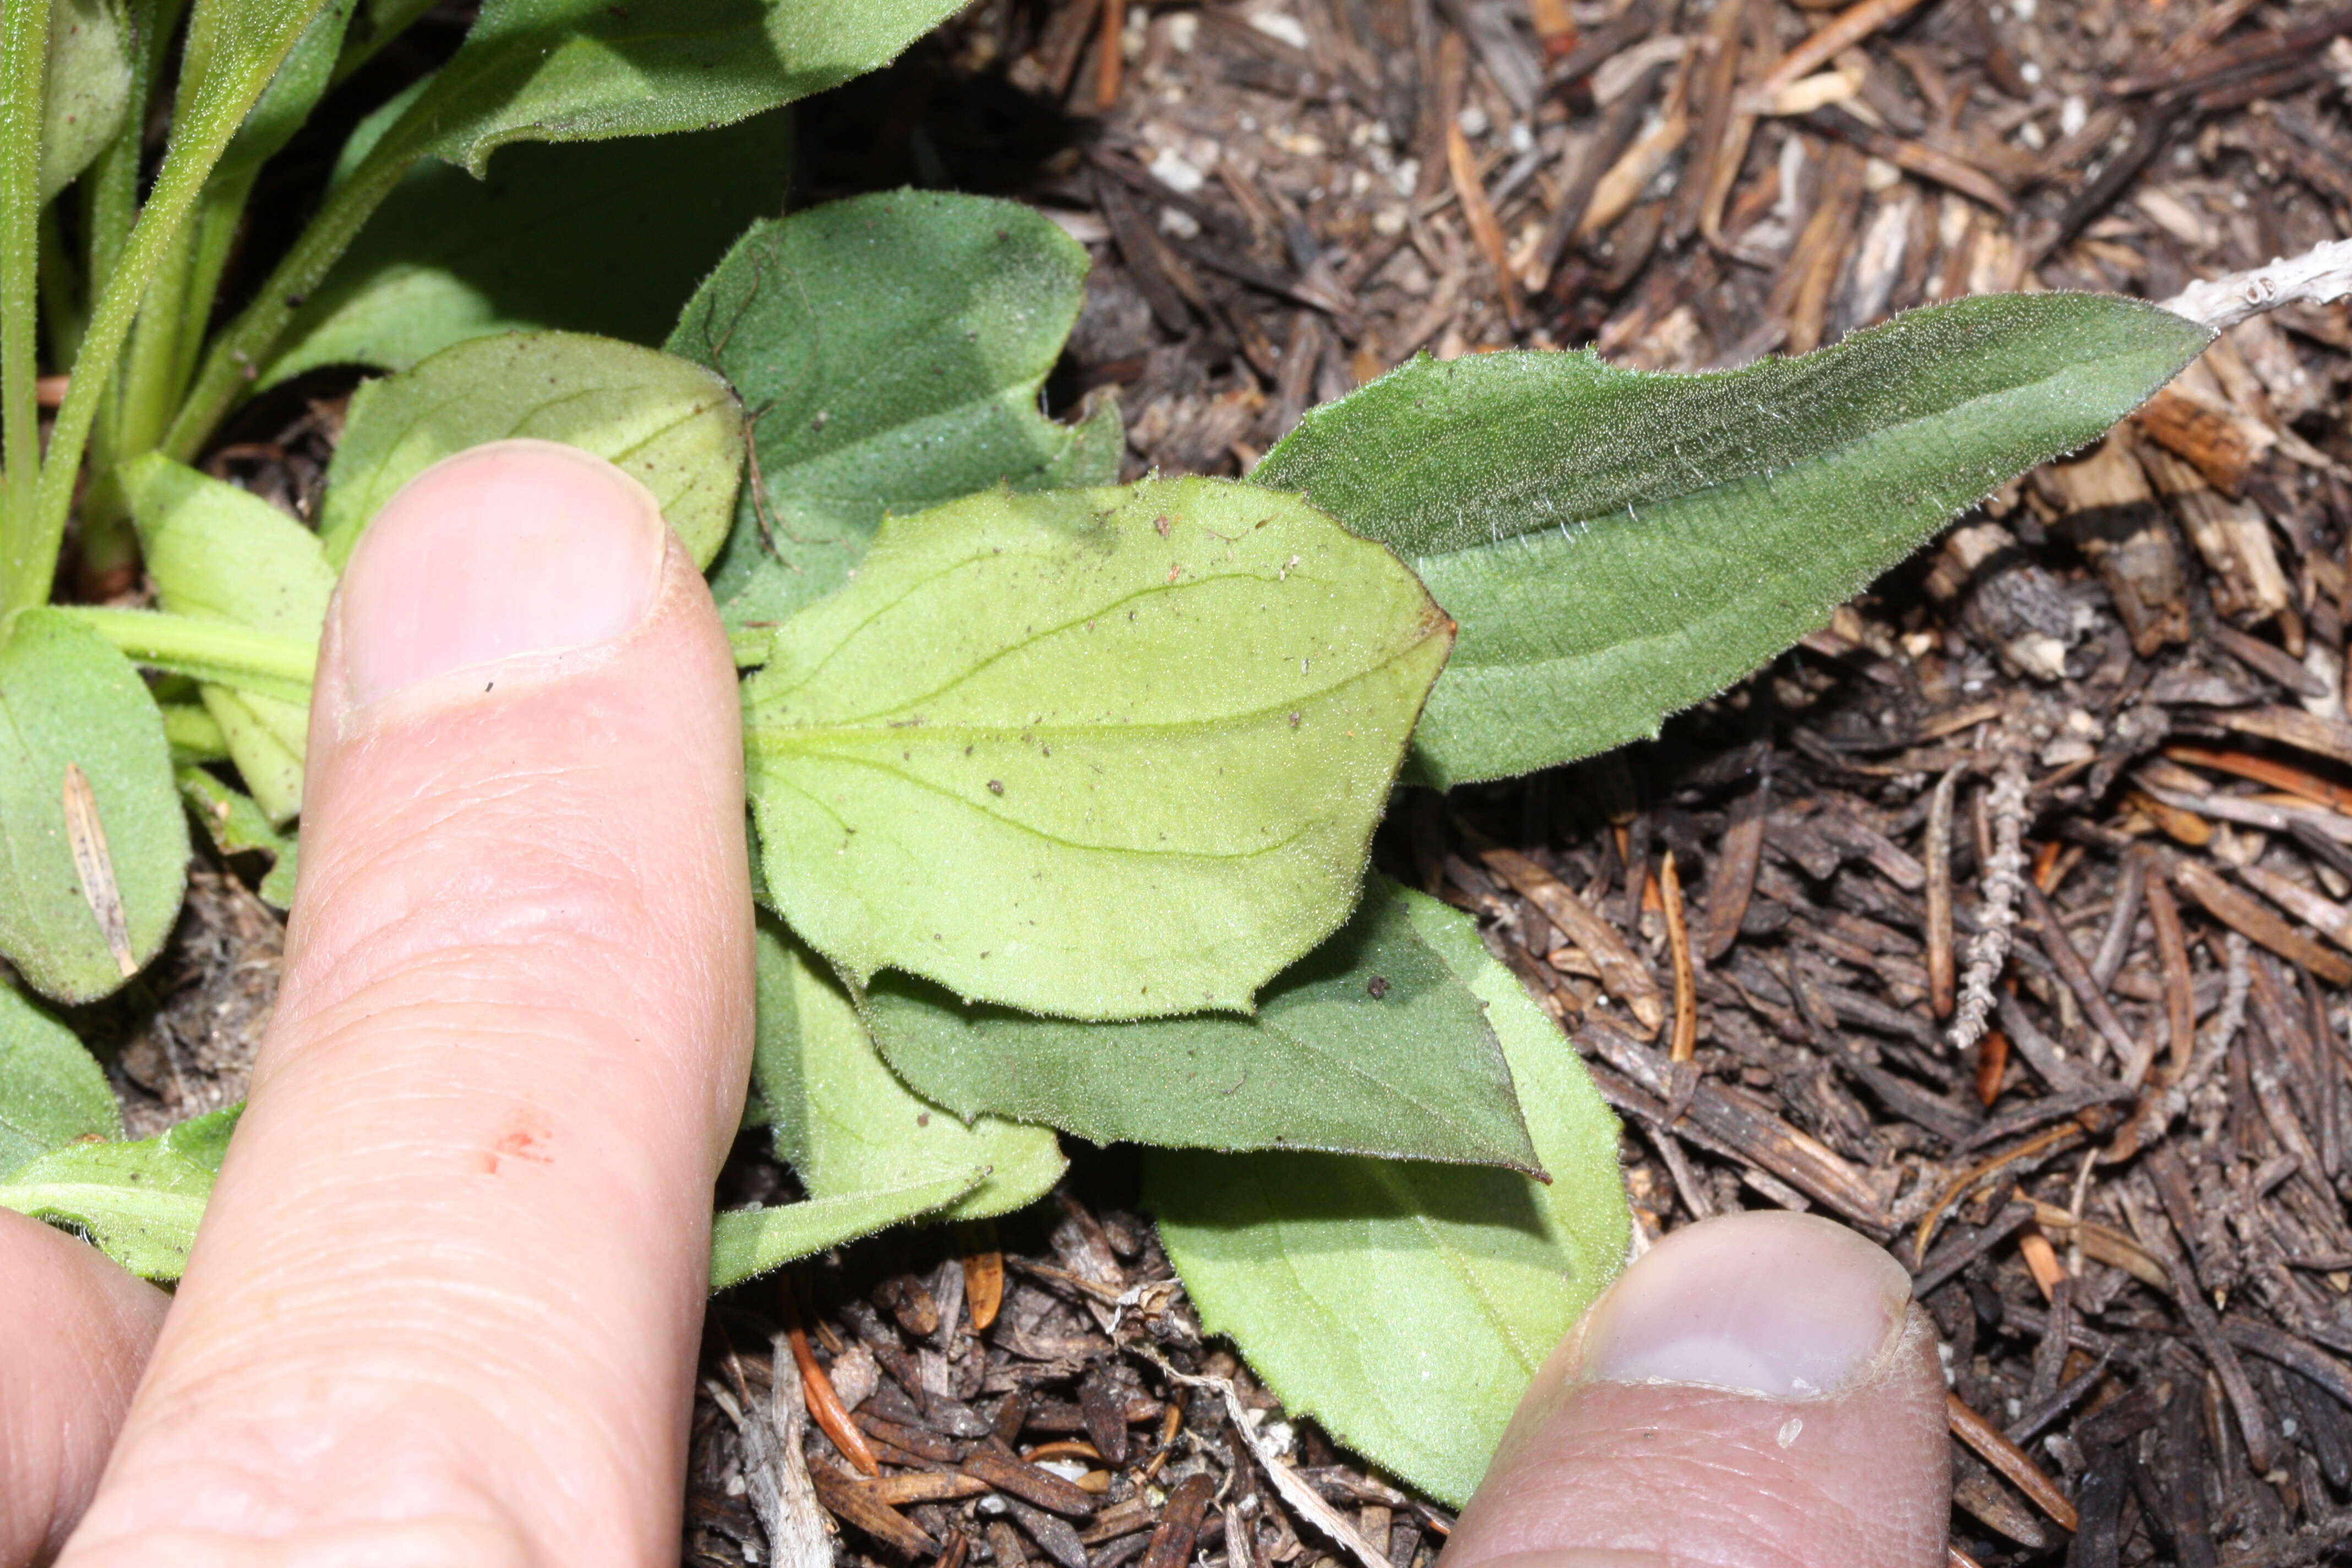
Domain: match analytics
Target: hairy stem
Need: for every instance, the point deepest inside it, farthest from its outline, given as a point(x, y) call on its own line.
point(24, 79)
point(218, 651)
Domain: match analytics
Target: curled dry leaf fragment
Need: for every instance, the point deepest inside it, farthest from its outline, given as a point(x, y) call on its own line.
point(86, 835)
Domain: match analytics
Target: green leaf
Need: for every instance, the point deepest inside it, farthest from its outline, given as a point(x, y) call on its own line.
point(1406, 1305)
point(238, 827)
point(1099, 753)
point(851, 1132)
point(88, 87)
point(585, 70)
point(566, 71)
point(746, 1243)
point(592, 239)
point(68, 699)
point(966, 301)
point(51, 1090)
point(218, 554)
point(1370, 1045)
point(140, 1202)
point(671, 424)
point(246, 42)
point(1617, 545)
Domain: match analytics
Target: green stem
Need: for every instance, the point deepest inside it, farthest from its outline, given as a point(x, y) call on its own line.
point(197, 141)
point(221, 652)
point(194, 734)
point(114, 181)
point(247, 344)
point(23, 78)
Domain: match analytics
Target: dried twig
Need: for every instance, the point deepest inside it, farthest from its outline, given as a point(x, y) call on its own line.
point(2004, 870)
point(2320, 276)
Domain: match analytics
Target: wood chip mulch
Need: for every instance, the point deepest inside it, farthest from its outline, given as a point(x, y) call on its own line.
point(2010, 918)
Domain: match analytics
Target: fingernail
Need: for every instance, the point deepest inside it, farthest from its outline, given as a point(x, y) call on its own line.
point(1785, 1305)
point(509, 551)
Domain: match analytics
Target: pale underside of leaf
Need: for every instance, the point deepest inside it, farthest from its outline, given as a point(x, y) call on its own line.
point(667, 423)
point(747, 1242)
point(1107, 753)
point(1406, 1305)
point(139, 1202)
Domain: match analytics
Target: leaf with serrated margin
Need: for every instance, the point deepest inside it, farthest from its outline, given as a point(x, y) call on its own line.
point(852, 1132)
point(669, 424)
point(1370, 1045)
point(747, 1242)
point(1403, 1305)
point(891, 349)
point(51, 1090)
point(1617, 546)
point(1109, 753)
point(604, 238)
point(69, 699)
point(139, 1202)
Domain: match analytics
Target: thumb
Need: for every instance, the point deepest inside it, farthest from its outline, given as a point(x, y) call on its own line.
point(1757, 1390)
point(445, 1303)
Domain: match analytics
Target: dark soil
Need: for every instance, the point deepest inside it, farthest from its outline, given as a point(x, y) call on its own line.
point(2124, 1204)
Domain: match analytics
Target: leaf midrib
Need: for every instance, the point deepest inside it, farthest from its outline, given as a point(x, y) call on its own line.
point(1435, 453)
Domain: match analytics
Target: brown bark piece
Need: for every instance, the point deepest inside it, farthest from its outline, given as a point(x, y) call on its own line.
point(1027, 1481)
point(1624, 974)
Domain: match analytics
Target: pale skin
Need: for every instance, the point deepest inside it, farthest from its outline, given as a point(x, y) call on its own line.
point(444, 1310)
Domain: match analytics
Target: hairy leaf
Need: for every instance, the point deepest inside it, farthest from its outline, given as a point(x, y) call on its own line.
point(1617, 545)
point(1370, 1045)
point(603, 239)
point(69, 700)
point(51, 1090)
point(238, 827)
point(585, 70)
point(852, 1133)
point(1405, 1306)
point(140, 1202)
point(746, 1243)
point(219, 554)
point(88, 87)
point(669, 423)
point(1100, 753)
point(965, 300)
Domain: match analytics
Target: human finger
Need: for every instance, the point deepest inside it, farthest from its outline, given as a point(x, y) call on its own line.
point(77, 1330)
point(1757, 1389)
point(450, 1284)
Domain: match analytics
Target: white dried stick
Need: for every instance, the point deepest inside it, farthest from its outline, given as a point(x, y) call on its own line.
point(2318, 276)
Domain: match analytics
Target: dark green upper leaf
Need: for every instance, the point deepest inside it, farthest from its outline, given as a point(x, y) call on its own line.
point(1370, 1045)
point(892, 348)
point(1616, 546)
point(1102, 754)
point(587, 71)
point(603, 239)
point(68, 699)
point(51, 1090)
point(1404, 1305)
